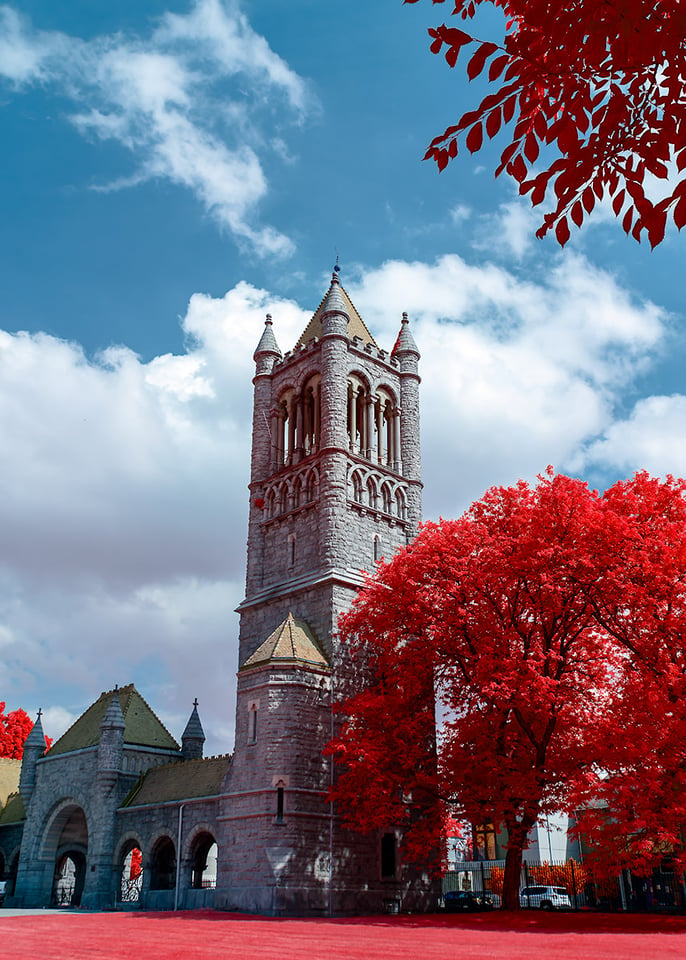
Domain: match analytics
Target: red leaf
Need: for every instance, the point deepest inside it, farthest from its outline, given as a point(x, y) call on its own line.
point(531, 148)
point(588, 199)
point(493, 122)
point(628, 217)
point(478, 61)
point(475, 138)
point(562, 231)
point(509, 108)
point(497, 66)
point(577, 214)
point(656, 230)
point(451, 55)
point(618, 202)
point(680, 212)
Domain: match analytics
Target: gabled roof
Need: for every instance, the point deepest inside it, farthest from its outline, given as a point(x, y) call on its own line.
point(291, 642)
point(143, 728)
point(181, 780)
point(10, 770)
point(13, 811)
point(356, 325)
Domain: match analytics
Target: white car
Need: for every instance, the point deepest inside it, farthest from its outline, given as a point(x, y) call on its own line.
point(545, 898)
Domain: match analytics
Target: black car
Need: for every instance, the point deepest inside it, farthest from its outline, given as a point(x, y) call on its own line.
point(459, 900)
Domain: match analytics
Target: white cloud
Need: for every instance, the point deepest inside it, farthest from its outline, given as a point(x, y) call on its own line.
point(651, 438)
point(124, 484)
point(197, 103)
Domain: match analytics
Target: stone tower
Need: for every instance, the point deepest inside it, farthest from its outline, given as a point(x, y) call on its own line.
point(335, 486)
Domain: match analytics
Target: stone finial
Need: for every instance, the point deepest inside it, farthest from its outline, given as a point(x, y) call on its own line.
point(36, 737)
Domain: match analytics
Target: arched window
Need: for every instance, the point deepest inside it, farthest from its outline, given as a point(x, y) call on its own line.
point(280, 790)
point(371, 494)
point(386, 498)
point(360, 416)
point(283, 498)
point(291, 549)
point(357, 487)
point(311, 416)
point(311, 487)
point(163, 867)
point(270, 505)
point(297, 492)
point(377, 549)
point(400, 506)
point(252, 723)
point(131, 879)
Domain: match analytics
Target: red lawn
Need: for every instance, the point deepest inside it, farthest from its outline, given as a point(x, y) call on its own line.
point(208, 936)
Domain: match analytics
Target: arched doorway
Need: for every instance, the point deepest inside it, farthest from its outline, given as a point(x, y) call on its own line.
point(204, 855)
point(70, 876)
point(66, 838)
point(163, 867)
point(131, 880)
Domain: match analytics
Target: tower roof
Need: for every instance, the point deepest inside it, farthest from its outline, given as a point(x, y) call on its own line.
point(336, 298)
point(142, 726)
point(113, 715)
point(267, 342)
point(405, 342)
point(194, 730)
point(292, 641)
point(36, 737)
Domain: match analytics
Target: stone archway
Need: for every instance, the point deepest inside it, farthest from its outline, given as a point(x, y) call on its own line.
point(65, 841)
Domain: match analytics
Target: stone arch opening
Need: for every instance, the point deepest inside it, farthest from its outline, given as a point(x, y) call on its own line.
point(131, 872)
point(204, 862)
point(70, 877)
point(12, 875)
point(66, 840)
point(163, 865)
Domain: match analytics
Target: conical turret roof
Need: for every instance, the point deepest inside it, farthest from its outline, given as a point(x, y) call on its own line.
point(336, 299)
point(194, 730)
point(267, 342)
point(114, 718)
point(292, 641)
point(405, 342)
point(36, 737)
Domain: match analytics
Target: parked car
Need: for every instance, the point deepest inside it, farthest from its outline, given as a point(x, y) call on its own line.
point(458, 900)
point(545, 898)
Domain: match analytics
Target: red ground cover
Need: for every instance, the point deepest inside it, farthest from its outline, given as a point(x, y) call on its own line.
point(201, 936)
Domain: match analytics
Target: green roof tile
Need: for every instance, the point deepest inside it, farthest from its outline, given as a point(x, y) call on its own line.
point(143, 728)
point(182, 780)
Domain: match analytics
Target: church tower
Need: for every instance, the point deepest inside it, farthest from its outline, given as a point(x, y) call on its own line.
point(335, 486)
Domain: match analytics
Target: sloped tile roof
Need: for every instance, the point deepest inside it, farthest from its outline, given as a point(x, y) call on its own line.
point(356, 325)
point(292, 641)
point(143, 728)
point(182, 780)
point(13, 811)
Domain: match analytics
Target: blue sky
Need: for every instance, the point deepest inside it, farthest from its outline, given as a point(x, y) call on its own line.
point(170, 172)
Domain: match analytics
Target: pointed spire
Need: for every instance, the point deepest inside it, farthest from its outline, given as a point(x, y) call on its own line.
point(114, 718)
point(193, 736)
point(267, 342)
point(334, 302)
point(36, 737)
point(405, 342)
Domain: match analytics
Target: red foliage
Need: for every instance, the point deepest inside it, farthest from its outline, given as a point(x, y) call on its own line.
point(602, 85)
point(546, 628)
point(15, 727)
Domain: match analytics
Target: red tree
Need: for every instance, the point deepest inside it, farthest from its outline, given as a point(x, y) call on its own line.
point(15, 727)
point(597, 96)
point(638, 813)
point(491, 619)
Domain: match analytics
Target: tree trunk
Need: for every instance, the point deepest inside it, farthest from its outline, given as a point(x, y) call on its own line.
point(516, 843)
